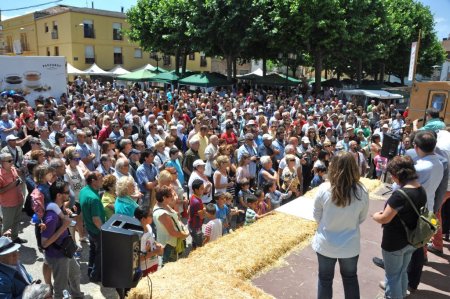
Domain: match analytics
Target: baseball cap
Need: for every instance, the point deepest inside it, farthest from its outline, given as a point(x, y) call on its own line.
point(198, 162)
point(267, 137)
point(251, 122)
point(11, 137)
point(305, 140)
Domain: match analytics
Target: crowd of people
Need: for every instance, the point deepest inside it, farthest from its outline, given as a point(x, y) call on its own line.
point(214, 160)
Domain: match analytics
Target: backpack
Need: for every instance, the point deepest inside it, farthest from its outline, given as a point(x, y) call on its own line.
point(427, 225)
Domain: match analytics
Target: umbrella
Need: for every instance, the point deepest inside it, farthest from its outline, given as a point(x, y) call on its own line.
point(141, 75)
point(96, 70)
point(205, 80)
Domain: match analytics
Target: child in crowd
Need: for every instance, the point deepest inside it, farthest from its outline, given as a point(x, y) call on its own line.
point(243, 195)
point(289, 176)
point(196, 213)
point(380, 164)
point(274, 196)
point(321, 170)
point(213, 229)
point(223, 211)
point(149, 261)
point(250, 215)
point(262, 207)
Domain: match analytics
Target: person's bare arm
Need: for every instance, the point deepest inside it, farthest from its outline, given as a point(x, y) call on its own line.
point(167, 221)
point(97, 221)
point(65, 224)
point(385, 216)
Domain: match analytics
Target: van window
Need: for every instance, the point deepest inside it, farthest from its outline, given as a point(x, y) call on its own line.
point(438, 101)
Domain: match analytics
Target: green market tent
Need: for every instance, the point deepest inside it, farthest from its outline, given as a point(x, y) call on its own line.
point(276, 79)
point(168, 77)
point(205, 80)
point(141, 75)
point(150, 67)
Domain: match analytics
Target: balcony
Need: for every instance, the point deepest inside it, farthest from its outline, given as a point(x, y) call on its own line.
point(55, 34)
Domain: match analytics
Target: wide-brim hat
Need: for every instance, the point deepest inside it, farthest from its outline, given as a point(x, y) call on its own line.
point(7, 246)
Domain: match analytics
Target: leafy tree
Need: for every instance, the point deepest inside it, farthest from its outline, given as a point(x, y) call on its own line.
point(406, 18)
point(164, 26)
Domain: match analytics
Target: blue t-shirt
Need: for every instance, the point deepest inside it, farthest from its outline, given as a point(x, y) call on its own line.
point(222, 213)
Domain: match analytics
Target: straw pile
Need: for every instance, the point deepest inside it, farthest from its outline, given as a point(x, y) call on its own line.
point(371, 186)
point(222, 268)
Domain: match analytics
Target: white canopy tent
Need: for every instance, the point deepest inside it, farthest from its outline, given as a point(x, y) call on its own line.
point(148, 66)
point(71, 70)
point(257, 72)
point(118, 70)
point(96, 70)
point(378, 94)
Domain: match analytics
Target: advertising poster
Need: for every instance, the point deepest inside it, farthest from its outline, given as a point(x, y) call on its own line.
point(33, 77)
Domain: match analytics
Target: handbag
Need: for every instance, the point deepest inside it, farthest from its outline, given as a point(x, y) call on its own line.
point(68, 246)
point(427, 225)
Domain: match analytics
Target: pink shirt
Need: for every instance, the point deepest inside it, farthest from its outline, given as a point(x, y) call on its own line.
point(13, 197)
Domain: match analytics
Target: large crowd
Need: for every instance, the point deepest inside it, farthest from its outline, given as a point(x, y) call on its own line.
point(215, 160)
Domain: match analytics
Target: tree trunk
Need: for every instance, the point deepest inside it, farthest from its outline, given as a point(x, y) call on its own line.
point(229, 67)
point(183, 67)
point(382, 72)
point(402, 80)
point(359, 70)
point(326, 74)
point(318, 59)
point(338, 76)
point(177, 62)
point(264, 66)
point(234, 68)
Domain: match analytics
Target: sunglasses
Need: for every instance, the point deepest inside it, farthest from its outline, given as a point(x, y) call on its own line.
point(8, 161)
point(76, 159)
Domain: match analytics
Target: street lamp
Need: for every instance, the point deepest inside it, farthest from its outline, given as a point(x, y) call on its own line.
point(288, 57)
point(154, 56)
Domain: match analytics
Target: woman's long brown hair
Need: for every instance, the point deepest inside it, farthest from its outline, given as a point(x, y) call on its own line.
point(344, 177)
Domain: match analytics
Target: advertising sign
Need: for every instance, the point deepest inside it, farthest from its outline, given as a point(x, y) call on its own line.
point(33, 77)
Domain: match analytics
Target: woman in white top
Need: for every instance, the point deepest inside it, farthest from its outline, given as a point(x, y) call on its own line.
point(221, 176)
point(243, 169)
point(340, 206)
point(75, 177)
point(167, 223)
point(160, 155)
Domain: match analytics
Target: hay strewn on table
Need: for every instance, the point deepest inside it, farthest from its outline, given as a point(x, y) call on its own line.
point(370, 184)
point(222, 268)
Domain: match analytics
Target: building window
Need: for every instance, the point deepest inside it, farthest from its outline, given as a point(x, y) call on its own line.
point(48, 51)
point(203, 62)
point(55, 26)
point(438, 101)
point(138, 53)
point(117, 31)
point(24, 42)
point(56, 51)
point(192, 56)
point(88, 28)
point(166, 59)
point(89, 54)
point(118, 55)
point(45, 27)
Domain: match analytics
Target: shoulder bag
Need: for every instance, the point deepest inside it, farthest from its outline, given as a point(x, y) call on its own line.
point(427, 225)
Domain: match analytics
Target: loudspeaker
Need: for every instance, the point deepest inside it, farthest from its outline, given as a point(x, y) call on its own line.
point(120, 237)
point(390, 145)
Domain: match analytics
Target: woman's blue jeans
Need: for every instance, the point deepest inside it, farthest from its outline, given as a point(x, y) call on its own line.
point(348, 268)
point(395, 266)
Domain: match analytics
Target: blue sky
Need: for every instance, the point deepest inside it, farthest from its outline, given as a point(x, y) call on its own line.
point(439, 8)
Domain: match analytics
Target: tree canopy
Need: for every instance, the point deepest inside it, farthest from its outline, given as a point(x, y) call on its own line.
point(353, 37)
